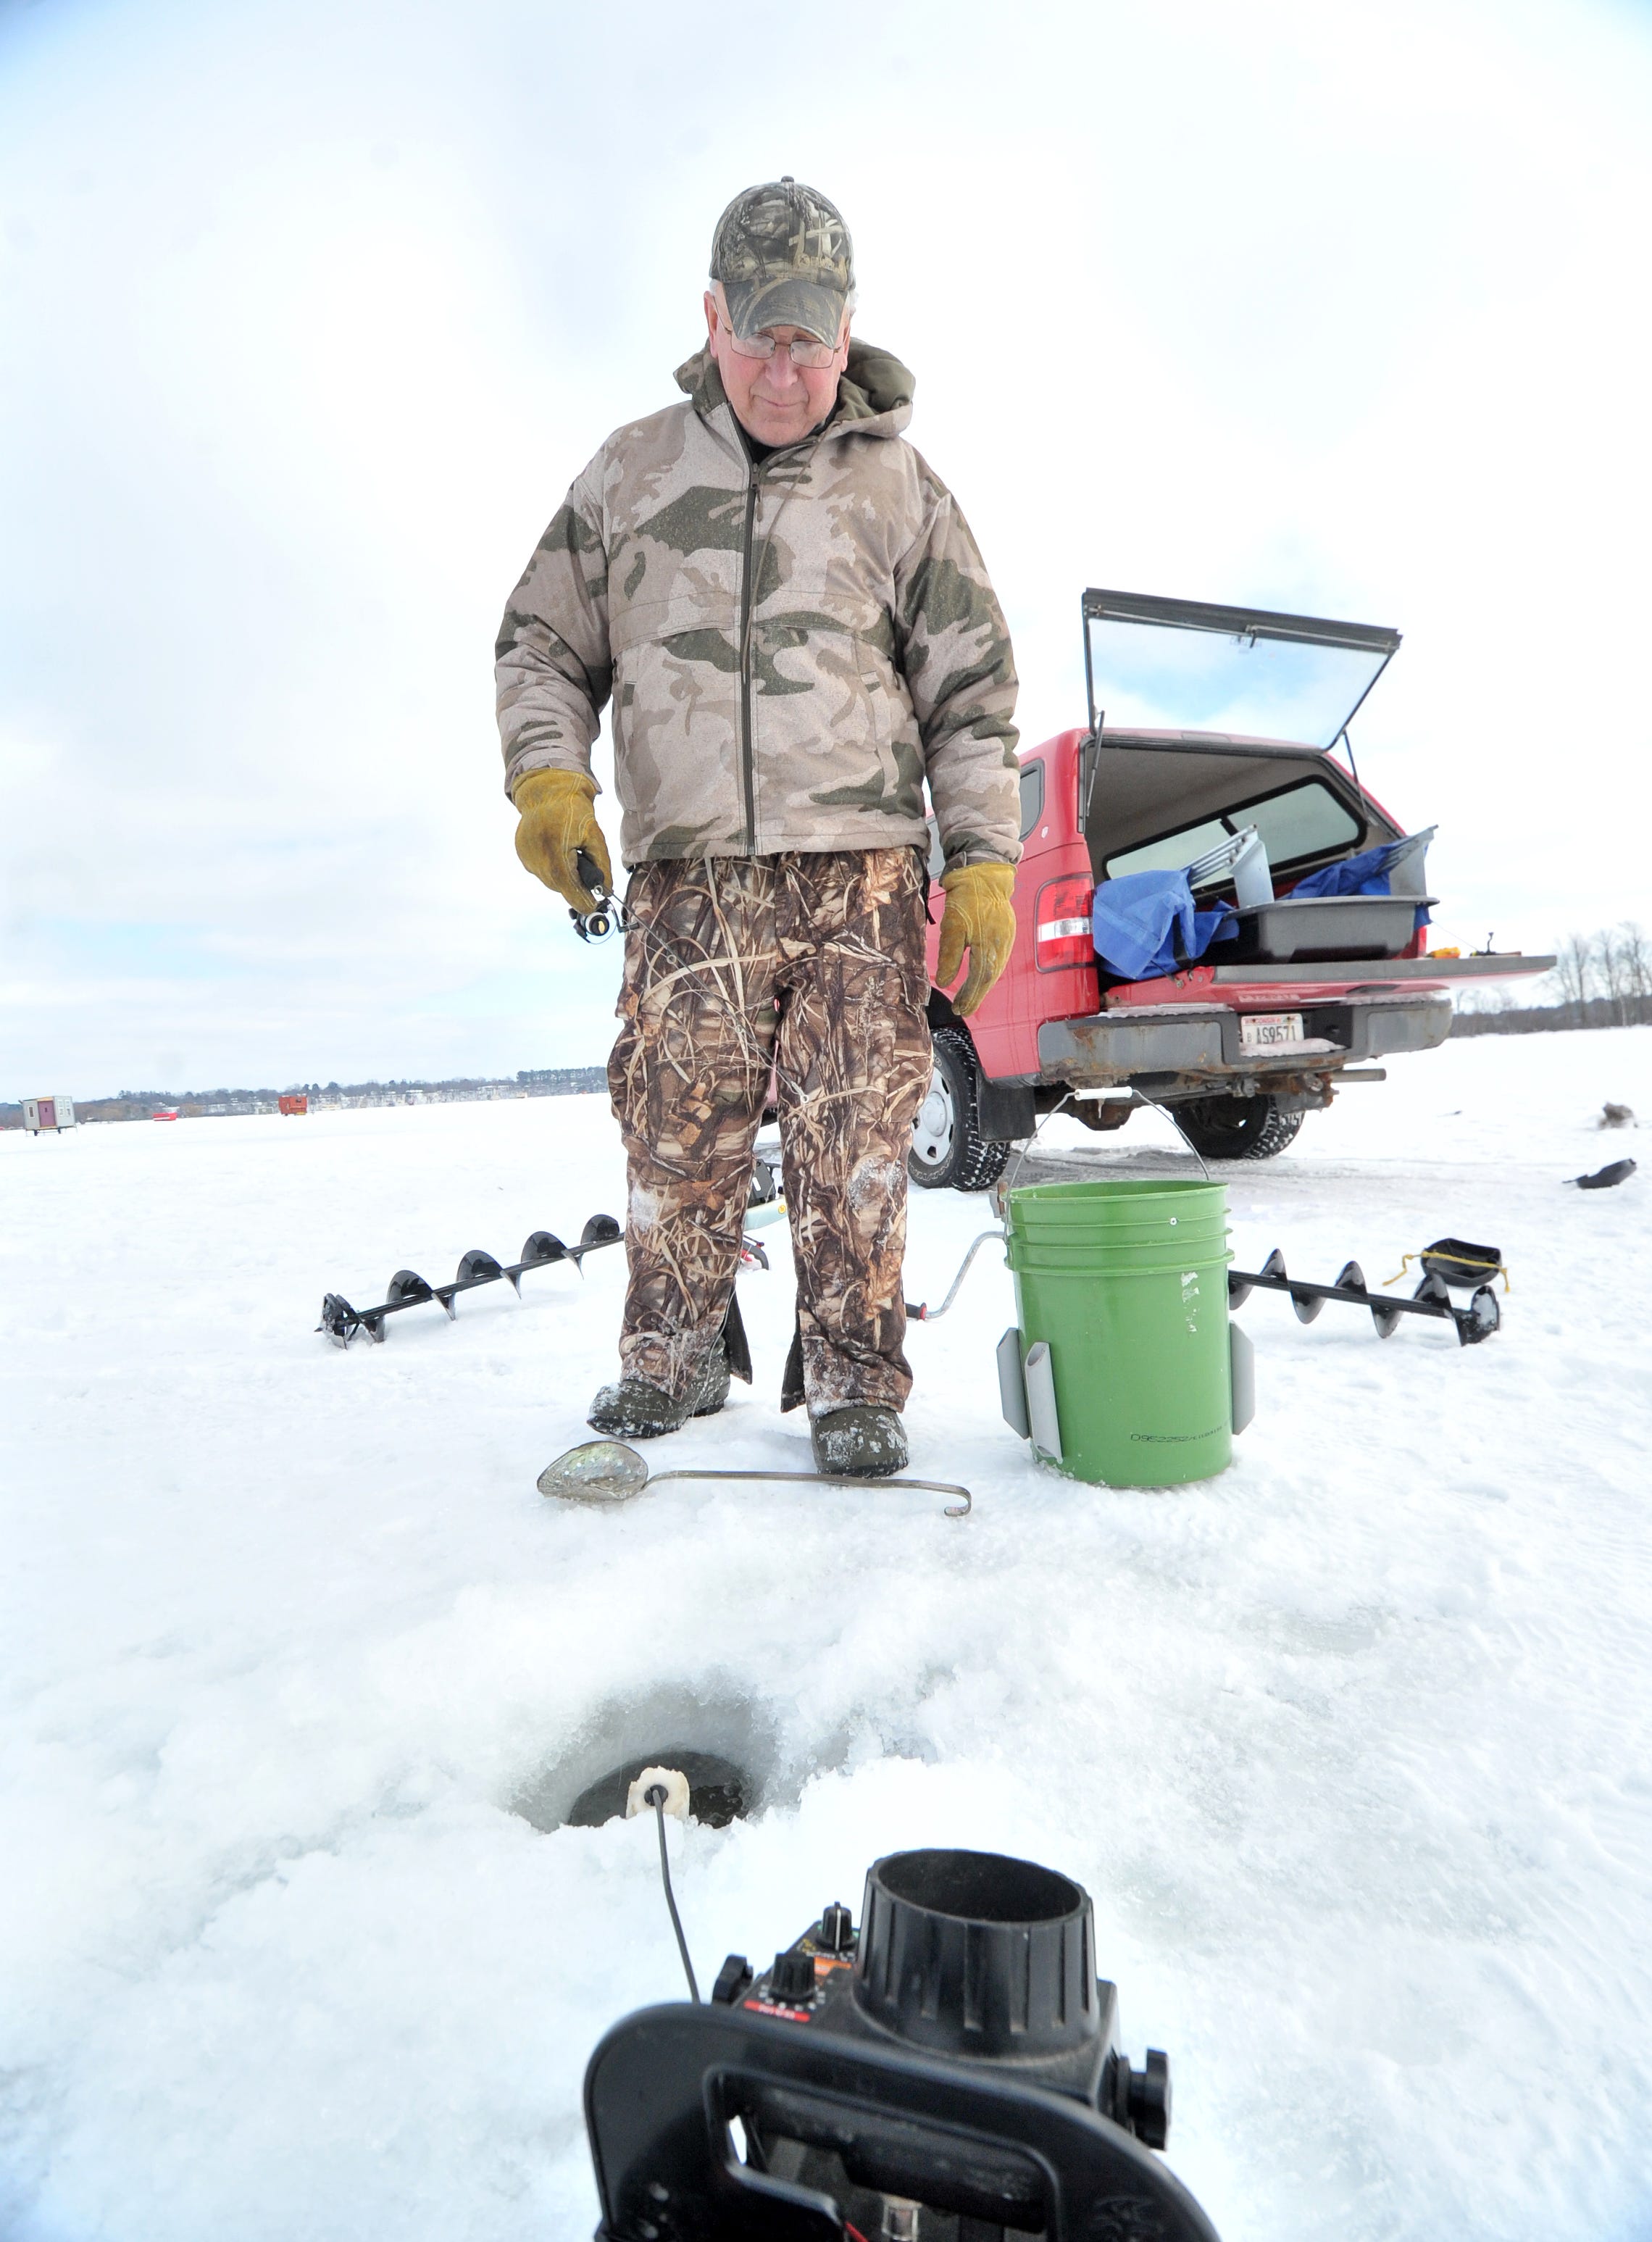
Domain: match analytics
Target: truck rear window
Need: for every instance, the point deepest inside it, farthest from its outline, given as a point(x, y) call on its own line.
point(1302, 821)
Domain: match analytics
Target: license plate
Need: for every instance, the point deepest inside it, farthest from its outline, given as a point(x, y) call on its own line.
point(1260, 1031)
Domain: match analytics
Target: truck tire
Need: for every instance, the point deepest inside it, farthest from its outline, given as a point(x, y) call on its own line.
point(1236, 1128)
point(948, 1151)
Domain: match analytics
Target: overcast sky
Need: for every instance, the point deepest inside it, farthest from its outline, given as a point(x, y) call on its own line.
point(309, 311)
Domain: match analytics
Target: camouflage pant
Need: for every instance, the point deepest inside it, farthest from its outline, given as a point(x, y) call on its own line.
point(814, 965)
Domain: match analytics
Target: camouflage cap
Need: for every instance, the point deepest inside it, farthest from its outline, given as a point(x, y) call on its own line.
point(785, 259)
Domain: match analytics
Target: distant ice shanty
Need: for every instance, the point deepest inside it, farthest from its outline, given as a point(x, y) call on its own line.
point(40, 1113)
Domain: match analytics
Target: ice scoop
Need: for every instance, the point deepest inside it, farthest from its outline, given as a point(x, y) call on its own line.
point(604, 1471)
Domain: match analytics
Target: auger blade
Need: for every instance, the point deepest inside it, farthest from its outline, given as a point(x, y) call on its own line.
point(600, 1230)
point(539, 1249)
point(1479, 1319)
point(477, 1267)
point(1351, 1278)
point(1306, 1304)
point(406, 1289)
point(338, 1320)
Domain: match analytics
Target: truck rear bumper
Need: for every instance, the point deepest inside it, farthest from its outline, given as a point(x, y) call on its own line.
point(1193, 1050)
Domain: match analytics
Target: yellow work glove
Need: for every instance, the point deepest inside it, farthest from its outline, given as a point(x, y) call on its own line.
point(557, 821)
point(980, 917)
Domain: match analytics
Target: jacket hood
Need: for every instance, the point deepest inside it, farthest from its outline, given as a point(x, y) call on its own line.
point(875, 395)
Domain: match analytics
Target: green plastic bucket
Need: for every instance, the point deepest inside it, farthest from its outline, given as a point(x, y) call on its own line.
point(1125, 1283)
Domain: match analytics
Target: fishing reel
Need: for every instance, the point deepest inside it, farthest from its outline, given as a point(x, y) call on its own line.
point(951, 2069)
point(609, 918)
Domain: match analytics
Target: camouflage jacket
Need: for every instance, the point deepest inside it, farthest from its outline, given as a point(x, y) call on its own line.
point(792, 649)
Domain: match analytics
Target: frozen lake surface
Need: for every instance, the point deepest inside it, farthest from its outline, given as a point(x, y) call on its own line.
point(1350, 1745)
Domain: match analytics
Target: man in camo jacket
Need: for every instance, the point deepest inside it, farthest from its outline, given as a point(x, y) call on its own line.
point(787, 613)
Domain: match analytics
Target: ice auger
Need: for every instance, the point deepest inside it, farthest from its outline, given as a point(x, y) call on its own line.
point(407, 1289)
point(1433, 1297)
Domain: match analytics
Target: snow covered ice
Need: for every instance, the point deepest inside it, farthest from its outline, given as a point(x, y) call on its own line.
point(1350, 1745)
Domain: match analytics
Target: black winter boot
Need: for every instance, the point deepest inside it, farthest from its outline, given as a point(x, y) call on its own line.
point(634, 1410)
point(862, 1442)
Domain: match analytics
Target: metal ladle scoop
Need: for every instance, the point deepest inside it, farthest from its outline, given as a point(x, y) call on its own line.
point(604, 1471)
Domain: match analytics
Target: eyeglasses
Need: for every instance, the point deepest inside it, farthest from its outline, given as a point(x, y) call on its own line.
point(804, 349)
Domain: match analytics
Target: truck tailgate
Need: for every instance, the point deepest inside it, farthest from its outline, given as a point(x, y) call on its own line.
point(1267, 987)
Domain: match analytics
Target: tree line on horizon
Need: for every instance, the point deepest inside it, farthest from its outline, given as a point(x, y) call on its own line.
point(1600, 980)
point(138, 1105)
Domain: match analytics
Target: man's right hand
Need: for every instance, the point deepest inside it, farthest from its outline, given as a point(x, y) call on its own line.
point(557, 821)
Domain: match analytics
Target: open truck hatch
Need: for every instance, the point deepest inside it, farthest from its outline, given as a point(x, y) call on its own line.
point(1272, 693)
point(1163, 665)
point(1206, 720)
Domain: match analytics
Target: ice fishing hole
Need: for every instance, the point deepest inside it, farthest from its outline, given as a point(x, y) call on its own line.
point(719, 1792)
point(727, 1746)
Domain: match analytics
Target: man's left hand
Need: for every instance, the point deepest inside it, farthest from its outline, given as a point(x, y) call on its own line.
point(979, 917)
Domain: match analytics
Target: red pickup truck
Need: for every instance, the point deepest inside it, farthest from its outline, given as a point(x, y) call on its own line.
point(1298, 994)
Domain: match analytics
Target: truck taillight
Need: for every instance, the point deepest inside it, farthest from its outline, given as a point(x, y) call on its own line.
point(1062, 919)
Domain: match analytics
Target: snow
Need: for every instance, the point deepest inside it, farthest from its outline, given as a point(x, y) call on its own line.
point(1349, 1744)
